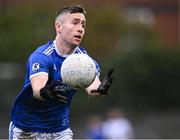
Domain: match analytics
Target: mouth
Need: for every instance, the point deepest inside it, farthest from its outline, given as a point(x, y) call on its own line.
point(78, 37)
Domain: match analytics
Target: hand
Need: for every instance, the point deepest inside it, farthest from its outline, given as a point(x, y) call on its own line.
point(54, 91)
point(105, 84)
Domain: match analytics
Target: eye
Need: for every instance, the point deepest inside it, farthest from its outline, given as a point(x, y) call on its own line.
point(74, 22)
point(83, 24)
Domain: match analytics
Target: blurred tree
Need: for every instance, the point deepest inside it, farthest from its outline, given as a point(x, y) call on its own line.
point(144, 72)
point(22, 29)
point(147, 79)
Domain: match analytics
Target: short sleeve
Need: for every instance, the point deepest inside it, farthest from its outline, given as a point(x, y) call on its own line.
point(38, 64)
point(98, 70)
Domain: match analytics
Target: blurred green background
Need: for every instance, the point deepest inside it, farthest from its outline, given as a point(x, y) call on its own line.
point(139, 39)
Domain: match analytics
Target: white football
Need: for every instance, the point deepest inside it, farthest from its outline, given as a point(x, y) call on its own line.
point(78, 71)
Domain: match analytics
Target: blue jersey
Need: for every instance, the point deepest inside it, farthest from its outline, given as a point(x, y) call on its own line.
point(33, 115)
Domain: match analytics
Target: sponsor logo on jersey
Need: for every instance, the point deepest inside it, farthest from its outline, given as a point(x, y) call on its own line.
point(63, 87)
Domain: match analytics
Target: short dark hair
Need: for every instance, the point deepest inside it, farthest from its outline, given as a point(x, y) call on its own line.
point(71, 10)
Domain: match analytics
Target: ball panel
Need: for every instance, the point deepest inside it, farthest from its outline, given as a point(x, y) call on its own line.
point(78, 71)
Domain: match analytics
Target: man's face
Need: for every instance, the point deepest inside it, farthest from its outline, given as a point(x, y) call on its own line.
point(72, 28)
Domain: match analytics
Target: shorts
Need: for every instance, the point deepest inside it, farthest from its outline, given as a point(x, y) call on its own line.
point(16, 133)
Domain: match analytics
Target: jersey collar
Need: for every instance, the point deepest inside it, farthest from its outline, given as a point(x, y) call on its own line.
point(62, 55)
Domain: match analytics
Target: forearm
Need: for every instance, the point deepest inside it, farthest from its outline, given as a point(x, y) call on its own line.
point(37, 83)
point(94, 86)
point(98, 88)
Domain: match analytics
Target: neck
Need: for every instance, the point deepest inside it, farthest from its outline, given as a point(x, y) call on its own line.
point(64, 48)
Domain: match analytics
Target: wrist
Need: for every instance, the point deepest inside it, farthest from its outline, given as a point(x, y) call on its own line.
point(44, 94)
point(38, 96)
point(95, 95)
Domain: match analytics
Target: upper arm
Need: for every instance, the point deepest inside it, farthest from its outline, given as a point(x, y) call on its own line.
point(38, 72)
point(38, 64)
point(38, 82)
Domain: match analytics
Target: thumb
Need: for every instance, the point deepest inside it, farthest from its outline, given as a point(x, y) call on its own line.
point(94, 91)
point(109, 73)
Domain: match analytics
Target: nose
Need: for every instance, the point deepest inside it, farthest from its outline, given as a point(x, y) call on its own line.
point(80, 29)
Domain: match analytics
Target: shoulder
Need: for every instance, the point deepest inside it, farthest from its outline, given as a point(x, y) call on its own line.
point(42, 55)
point(80, 49)
point(44, 50)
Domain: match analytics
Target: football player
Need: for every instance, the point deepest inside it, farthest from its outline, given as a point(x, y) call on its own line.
point(41, 109)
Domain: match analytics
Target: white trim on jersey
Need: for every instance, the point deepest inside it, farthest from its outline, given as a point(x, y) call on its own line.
point(63, 55)
point(78, 50)
point(49, 50)
point(33, 75)
point(81, 51)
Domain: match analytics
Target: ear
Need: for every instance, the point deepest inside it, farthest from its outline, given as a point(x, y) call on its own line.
point(58, 27)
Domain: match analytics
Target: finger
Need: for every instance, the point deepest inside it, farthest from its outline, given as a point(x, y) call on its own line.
point(61, 96)
point(108, 84)
point(110, 81)
point(61, 100)
point(109, 73)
